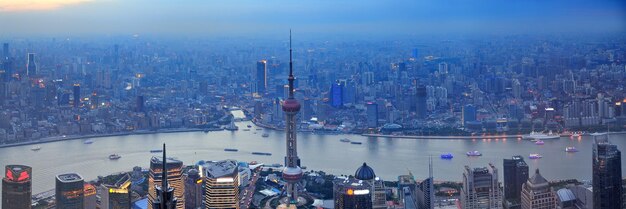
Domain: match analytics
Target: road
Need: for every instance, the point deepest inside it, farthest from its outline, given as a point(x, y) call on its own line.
point(246, 194)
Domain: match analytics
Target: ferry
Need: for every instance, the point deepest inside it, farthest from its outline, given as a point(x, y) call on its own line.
point(540, 136)
point(249, 126)
point(265, 135)
point(344, 140)
point(258, 129)
point(88, 142)
point(356, 142)
point(539, 142)
point(262, 153)
point(231, 150)
point(247, 129)
point(474, 153)
point(446, 156)
point(114, 157)
point(156, 150)
point(571, 149)
point(577, 134)
point(534, 156)
point(35, 148)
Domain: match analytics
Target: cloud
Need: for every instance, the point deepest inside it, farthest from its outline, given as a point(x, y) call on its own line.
point(37, 5)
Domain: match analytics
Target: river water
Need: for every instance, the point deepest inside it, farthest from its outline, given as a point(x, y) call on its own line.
point(389, 157)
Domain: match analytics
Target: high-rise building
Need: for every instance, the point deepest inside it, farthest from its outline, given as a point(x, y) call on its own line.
point(139, 104)
point(469, 114)
point(70, 190)
point(76, 94)
point(117, 195)
point(336, 94)
point(174, 180)
point(31, 65)
point(89, 194)
point(537, 193)
point(352, 193)
point(377, 189)
point(481, 188)
point(261, 77)
point(166, 196)
point(292, 173)
point(607, 174)
point(193, 189)
point(420, 106)
point(515, 174)
point(17, 187)
point(221, 184)
point(372, 115)
point(426, 190)
point(5, 51)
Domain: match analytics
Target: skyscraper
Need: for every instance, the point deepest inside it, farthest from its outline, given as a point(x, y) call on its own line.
point(31, 65)
point(336, 94)
point(292, 172)
point(165, 195)
point(352, 193)
point(420, 107)
point(221, 184)
point(117, 196)
point(76, 94)
point(70, 191)
point(469, 114)
point(139, 104)
point(377, 189)
point(17, 187)
point(172, 183)
point(537, 193)
point(607, 174)
point(481, 188)
point(515, 174)
point(261, 77)
point(426, 190)
point(89, 195)
point(193, 190)
point(372, 115)
point(5, 51)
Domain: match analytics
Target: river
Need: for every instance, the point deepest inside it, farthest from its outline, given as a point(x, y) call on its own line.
point(389, 157)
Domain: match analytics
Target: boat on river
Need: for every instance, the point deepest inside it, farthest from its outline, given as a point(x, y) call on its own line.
point(35, 148)
point(539, 142)
point(534, 156)
point(156, 150)
point(344, 140)
point(262, 153)
point(265, 135)
point(356, 142)
point(474, 153)
point(571, 149)
point(540, 136)
point(231, 150)
point(88, 142)
point(447, 156)
point(114, 157)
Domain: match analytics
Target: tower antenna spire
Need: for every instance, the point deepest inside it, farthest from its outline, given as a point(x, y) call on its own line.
point(164, 177)
point(291, 78)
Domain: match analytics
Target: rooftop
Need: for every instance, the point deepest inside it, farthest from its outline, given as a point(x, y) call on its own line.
point(69, 177)
point(216, 169)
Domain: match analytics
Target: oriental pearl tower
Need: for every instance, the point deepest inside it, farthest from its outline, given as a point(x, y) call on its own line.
point(292, 172)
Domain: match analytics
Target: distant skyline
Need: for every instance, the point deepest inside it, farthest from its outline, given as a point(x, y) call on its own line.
point(196, 18)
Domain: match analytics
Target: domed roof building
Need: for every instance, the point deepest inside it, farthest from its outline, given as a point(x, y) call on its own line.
point(364, 173)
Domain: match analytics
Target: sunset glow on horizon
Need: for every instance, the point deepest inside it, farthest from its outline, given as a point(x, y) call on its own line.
point(35, 5)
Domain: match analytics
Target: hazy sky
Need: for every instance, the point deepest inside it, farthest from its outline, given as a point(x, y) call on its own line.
point(271, 17)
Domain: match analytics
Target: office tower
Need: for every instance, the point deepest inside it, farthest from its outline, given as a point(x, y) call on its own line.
point(481, 188)
point(193, 189)
point(89, 195)
point(139, 104)
point(515, 174)
point(31, 66)
point(607, 174)
point(166, 196)
point(336, 95)
point(537, 193)
point(377, 187)
point(261, 77)
point(117, 195)
point(469, 114)
point(76, 94)
point(221, 184)
point(17, 187)
point(292, 172)
point(352, 193)
point(70, 191)
point(372, 115)
point(426, 190)
point(172, 183)
point(420, 107)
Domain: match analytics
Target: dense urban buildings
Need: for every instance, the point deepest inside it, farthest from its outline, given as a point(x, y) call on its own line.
point(174, 179)
point(17, 187)
point(537, 193)
point(515, 171)
point(70, 191)
point(481, 188)
point(221, 187)
point(607, 174)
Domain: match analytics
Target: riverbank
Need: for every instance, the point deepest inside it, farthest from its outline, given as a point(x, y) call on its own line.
point(75, 137)
point(461, 137)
